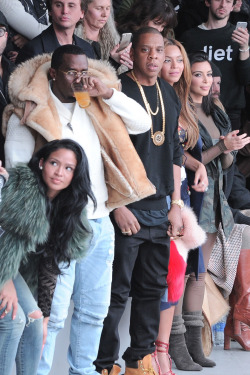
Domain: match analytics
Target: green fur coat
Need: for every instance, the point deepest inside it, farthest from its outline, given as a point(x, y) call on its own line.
point(23, 218)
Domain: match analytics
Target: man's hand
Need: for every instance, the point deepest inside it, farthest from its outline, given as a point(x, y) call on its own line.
point(176, 226)
point(241, 36)
point(126, 221)
point(12, 55)
point(9, 299)
point(19, 40)
point(96, 87)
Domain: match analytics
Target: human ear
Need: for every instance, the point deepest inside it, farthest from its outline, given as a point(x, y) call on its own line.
point(41, 164)
point(52, 73)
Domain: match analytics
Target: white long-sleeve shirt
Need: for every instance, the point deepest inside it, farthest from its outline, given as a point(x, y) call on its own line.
point(21, 21)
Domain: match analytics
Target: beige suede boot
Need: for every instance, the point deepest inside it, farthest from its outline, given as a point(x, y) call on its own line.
point(142, 367)
point(115, 370)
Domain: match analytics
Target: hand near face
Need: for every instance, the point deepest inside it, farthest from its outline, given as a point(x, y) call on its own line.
point(122, 57)
point(96, 87)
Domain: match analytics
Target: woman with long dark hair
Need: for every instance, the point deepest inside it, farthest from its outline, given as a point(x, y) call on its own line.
point(159, 14)
point(217, 154)
point(176, 71)
point(43, 224)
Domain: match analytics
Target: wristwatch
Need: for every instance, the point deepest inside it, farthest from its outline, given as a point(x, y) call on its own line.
point(178, 202)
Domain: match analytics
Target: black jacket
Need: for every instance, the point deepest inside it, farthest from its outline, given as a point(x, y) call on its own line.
point(47, 42)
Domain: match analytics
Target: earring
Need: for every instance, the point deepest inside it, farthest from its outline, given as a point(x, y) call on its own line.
point(40, 167)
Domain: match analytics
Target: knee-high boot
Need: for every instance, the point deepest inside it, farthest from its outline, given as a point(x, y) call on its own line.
point(194, 323)
point(178, 349)
point(241, 292)
point(238, 320)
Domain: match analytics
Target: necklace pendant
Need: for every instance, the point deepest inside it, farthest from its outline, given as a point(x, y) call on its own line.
point(158, 138)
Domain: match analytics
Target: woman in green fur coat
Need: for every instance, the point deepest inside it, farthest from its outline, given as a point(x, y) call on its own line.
point(43, 224)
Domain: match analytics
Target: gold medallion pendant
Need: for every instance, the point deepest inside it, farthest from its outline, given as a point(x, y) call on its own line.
point(158, 138)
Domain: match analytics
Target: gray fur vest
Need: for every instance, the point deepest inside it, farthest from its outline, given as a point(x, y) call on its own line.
point(24, 220)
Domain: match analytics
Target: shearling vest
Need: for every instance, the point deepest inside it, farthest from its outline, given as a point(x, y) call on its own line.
point(125, 175)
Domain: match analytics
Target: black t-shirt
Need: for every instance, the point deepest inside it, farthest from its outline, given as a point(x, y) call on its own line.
point(224, 52)
point(157, 160)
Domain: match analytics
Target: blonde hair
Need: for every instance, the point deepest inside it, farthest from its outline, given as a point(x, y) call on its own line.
point(108, 35)
point(182, 88)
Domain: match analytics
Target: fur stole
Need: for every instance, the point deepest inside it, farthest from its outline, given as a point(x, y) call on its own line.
point(193, 237)
point(24, 220)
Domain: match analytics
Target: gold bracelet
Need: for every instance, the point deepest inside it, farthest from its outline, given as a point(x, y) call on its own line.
point(178, 202)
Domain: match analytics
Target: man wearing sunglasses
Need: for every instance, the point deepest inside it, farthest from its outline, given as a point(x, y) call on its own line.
point(116, 173)
point(6, 67)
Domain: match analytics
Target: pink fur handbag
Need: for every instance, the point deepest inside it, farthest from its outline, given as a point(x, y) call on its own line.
point(193, 237)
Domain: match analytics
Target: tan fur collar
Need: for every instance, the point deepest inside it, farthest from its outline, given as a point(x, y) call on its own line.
point(30, 95)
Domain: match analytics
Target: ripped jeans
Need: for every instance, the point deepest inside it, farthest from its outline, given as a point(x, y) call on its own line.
point(88, 283)
point(21, 339)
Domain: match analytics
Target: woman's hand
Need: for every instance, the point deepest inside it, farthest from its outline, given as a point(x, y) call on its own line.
point(8, 298)
point(45, 330)
point(3, 172)
point(200, 179)
point(126, 221)
point(122, 57)
point(235, 142)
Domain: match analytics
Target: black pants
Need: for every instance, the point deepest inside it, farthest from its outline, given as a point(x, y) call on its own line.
point(140, 270)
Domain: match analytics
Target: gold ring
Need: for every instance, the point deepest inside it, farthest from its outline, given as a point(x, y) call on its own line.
point(128, 232)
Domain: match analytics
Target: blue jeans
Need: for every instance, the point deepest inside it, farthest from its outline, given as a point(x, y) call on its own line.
point(91, 296)
point(21, 339)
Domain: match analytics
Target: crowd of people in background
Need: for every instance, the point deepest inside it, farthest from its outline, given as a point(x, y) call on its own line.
point(94, 191)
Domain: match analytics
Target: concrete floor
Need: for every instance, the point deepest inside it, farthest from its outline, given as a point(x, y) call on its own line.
point(229, 362)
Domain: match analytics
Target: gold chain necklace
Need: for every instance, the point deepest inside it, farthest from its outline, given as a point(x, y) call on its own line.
point(159, 136)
